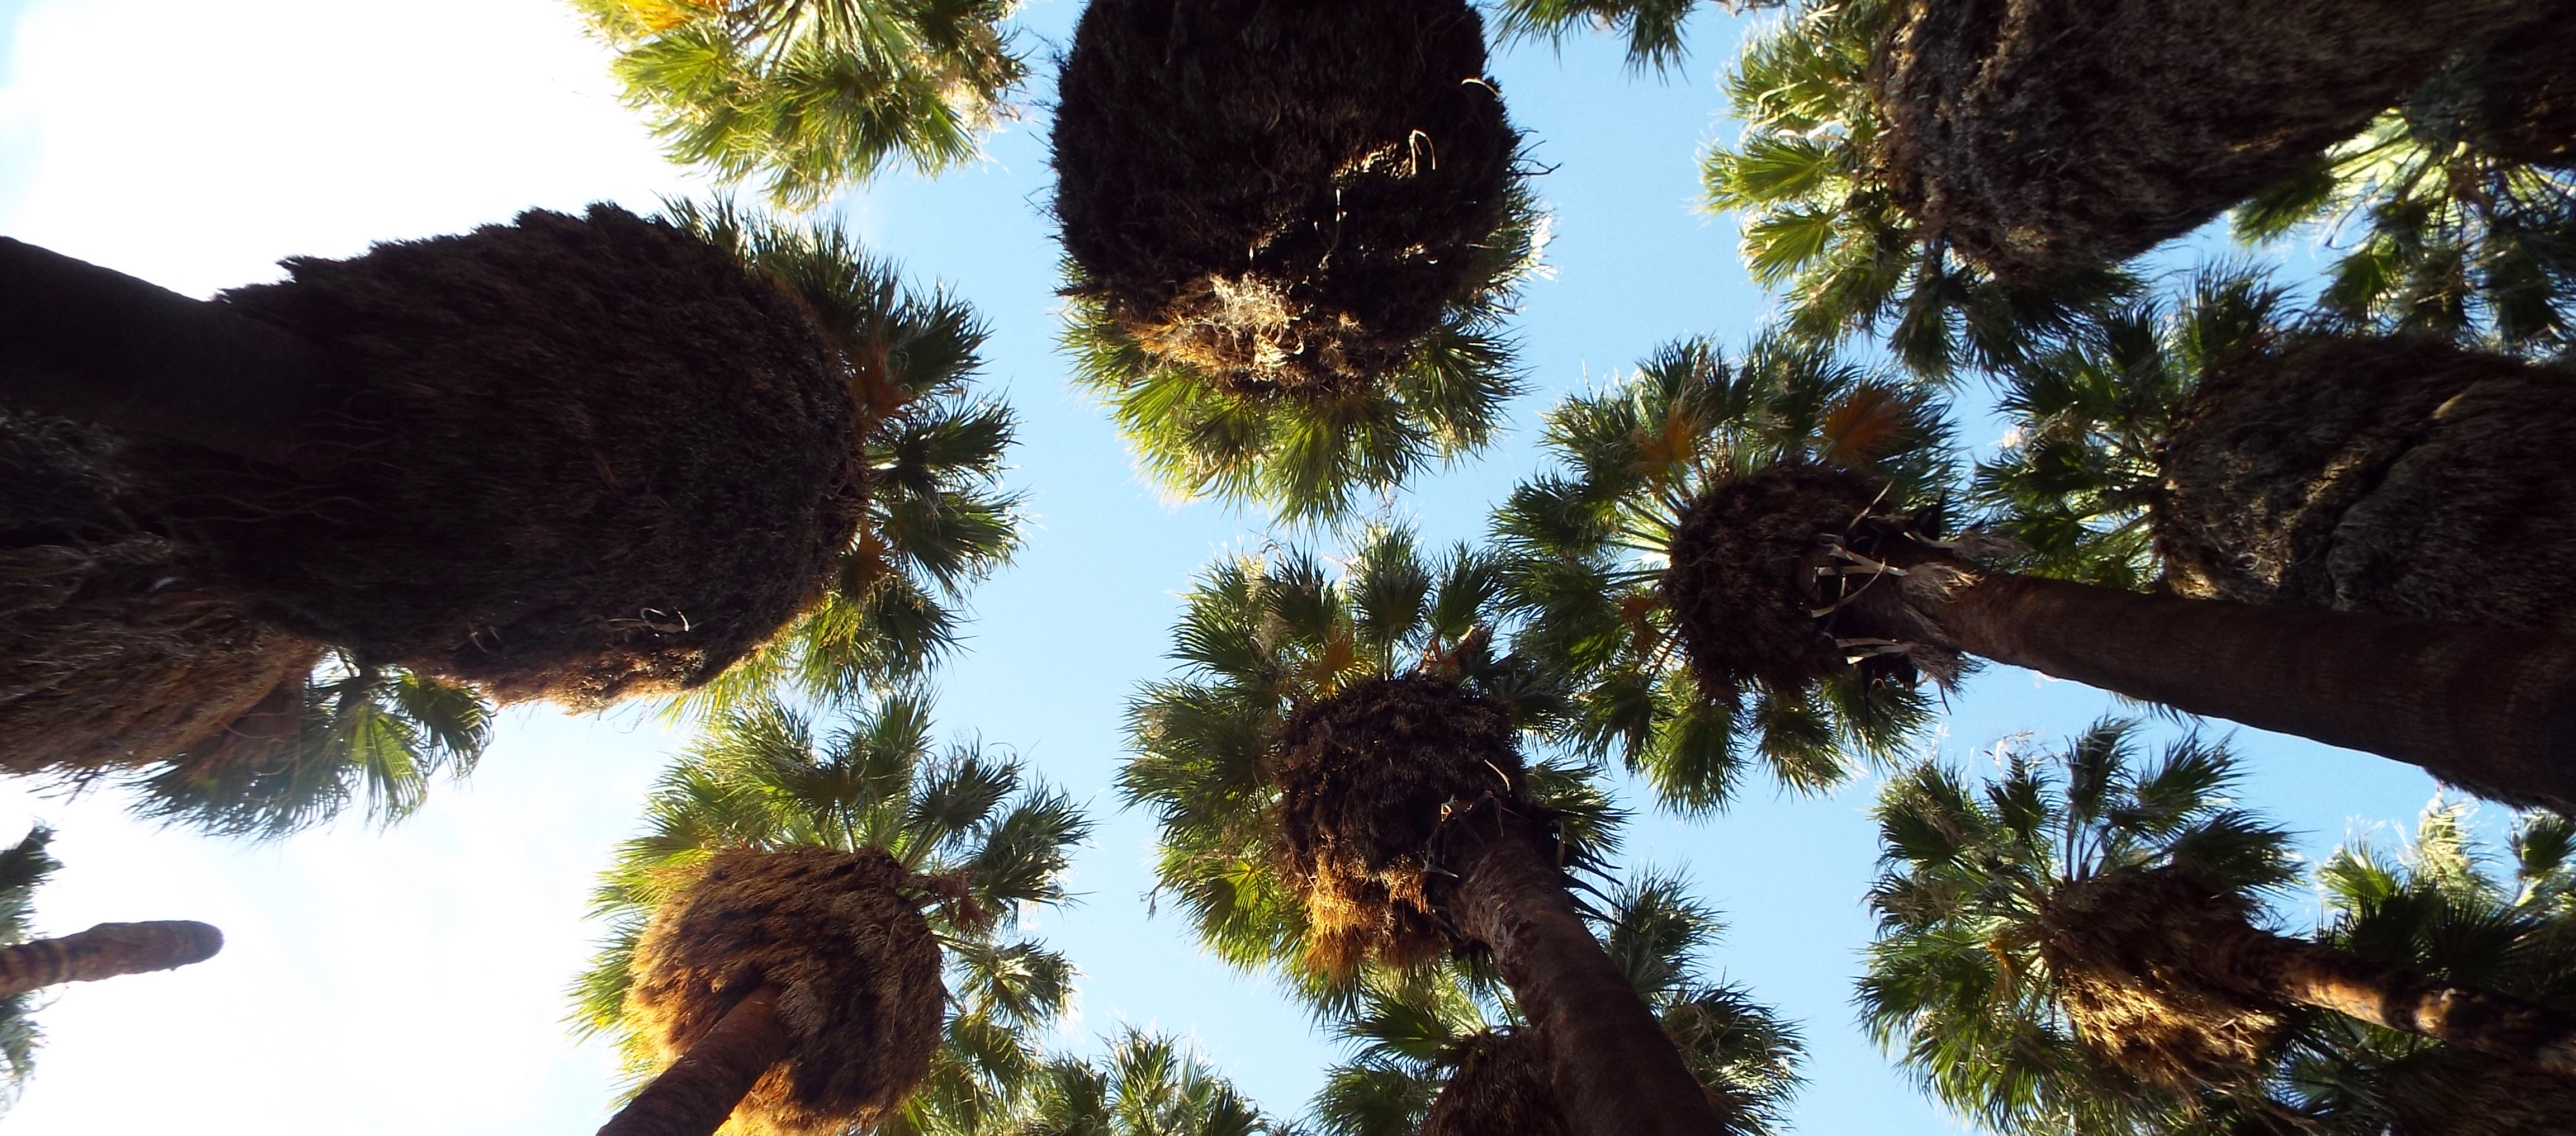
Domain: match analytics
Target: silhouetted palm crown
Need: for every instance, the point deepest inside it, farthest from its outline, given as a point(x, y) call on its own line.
point(1145, 1085)
point(1592, 556)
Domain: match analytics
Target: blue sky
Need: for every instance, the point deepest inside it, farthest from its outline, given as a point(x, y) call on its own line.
point(407, 981)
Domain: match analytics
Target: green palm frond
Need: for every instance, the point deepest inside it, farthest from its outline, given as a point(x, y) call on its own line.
point(1315, 458)
point(1820, 229)
point(23, 867)
point(969, 821)
point(347, 734)
point(2435, 236)
point(1586, 544)
point(1956, 987)
point(809, 97)
point(1653, 28)
point(1145, 1085)
point(2075, 480)
point(1261, 635)
point(938, 519)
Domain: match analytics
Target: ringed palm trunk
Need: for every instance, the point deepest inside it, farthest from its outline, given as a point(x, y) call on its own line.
point(88, 343)
point(695, 1095)
point(1615, 1068)
point(106, 951)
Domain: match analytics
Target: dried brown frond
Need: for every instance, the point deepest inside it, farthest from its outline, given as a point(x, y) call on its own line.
point(577, 458)
point(857, 968)
point(1502, 1086)
point(115, 651)
point(2160, 977)
point(2400, 476)
point(1365, 778)
point(1283, 197)
point(2442, 1091)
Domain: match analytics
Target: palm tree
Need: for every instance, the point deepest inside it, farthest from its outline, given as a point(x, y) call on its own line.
point(1441, 1052)
point(2220, 449)
point(2083, 949)
point(1291, 238)
point(1820, 225)
point(1339, 781)
point(1593, 552)
point(1145, 1085)
point(770, 432)
point(2456, 204)
point(798, 900)
point(812, 96)
point(2060, 137)
point(1653, 27)
point(104, 951)
point(2438, 907)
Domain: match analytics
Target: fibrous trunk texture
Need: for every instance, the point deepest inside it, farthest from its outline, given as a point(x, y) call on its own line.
point(571, 457)
point(2487, 709)
point(1500, 1086)
point(2442, 1091)
point(2408, 477)
point(106, 951)
point(1282, 196)
point(695, 1095)
point(116, 647)
point(1616, 1072)
point(1365, 778)
point(105, 348)
point(2171, 979)
point(2043, 137)
point(855, 968)
point(2512, 96)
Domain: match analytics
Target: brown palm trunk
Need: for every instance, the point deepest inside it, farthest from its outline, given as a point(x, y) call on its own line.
point(87, 343)
point(1615, 1069)
point(2490, 710)
point(105, 951)
point(2301, 972)
point(695, 1095)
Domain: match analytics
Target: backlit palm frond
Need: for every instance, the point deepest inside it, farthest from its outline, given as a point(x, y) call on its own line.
point(348, 733)
point(1315, 459)
point(1585, 547)
point(1144, 1085)
point(809, 97)
point(2434, 235)
point(1820, 229)
point(939, 519)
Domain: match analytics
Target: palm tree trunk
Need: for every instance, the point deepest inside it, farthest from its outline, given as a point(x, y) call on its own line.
point(105, 951)
point(2312, 974)
point(2490, 710)
point(1615, 1069)
point(695, 1095)
point(84, 342)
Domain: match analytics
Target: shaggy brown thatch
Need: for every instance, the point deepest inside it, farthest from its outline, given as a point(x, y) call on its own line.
point(1281, 196)
point(2513, 96)
point(2043, 137)
point(2153, 971)
point(856, 968)
point(1745, 592)
point(114, 650)
point(2443, 1091)
point(579, 458)
point(2399, 476)
point(1363, 780)
point(1501, 1086)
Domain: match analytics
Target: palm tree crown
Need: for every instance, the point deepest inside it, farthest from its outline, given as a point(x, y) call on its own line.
point(23, 866)
point(937, 519)
point(977, 838)
point(1264, 637)
point(1975, 981)
point(1592, 556)
point(1411, 1031)
point(1312, 455)
point(1145, 1085)
point(811, 96)
point(1820, 226)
